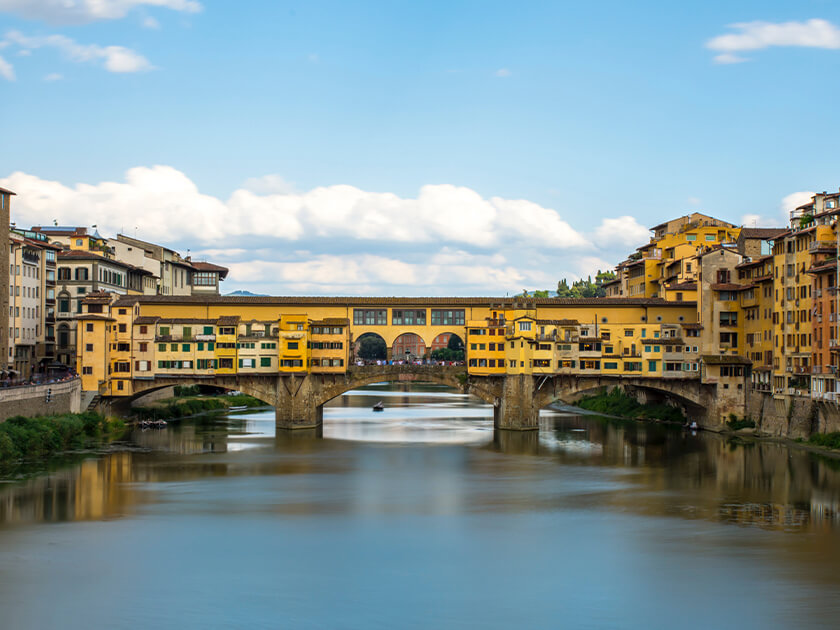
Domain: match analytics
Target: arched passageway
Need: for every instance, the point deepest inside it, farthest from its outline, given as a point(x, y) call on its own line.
point(370, 347)
point(408, 346)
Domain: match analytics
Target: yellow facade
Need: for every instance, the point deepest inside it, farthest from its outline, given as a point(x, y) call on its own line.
point(145, 337)
point(792, 309)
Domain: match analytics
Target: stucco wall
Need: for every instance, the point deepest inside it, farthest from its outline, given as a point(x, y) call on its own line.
point(32, 401)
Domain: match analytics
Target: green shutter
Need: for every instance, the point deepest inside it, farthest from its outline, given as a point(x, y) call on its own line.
point(185, 347)
point(200, 346)
point(208, 330)
point(161, 347)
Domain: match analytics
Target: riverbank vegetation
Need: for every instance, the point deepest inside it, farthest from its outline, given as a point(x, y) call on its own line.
point(617, 403)
point(826, 440)
point(189, 402)
point(29, 438)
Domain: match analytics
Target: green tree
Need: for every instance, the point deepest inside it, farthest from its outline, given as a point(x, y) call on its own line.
point(372, 347)
point(455, 343)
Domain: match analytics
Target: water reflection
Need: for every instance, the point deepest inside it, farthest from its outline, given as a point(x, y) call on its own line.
point(609, 510)
point(647, 469)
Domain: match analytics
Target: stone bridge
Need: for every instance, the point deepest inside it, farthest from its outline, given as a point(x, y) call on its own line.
point(299, 399)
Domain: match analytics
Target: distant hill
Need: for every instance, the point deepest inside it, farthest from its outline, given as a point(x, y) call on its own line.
point(247, 294)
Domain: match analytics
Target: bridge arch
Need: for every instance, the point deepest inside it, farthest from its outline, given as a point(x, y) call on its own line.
point(370, 346)
point(409, 346)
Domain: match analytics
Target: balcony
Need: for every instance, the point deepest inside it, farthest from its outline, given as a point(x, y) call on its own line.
point(822, 245)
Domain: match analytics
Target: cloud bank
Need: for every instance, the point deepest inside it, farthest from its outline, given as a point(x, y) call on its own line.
point(338, 239)
point(84, 11)
point(758, 35)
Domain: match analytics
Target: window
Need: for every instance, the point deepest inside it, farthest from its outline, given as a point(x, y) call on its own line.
point(144, 330)
point(610, 365)
point(144, 347)
point(524, 326)
point(164, 331)
point(121, 328)
point(410, 317)
point(265, 361)
point(651, 366)
point(292, 345)
point(89, 327)
point(723, 276)
point(200, 346)
point(444, 317)
point(690, 237)
point(87, 370)
point(64, 273)
point(88, 347)
point(64, 305)
point(174, 347)
point(370, 317)
point(628, 332)
point(185, 347)
point(187, 332)
point(728, 318)
point(208, 330)
point(204, 278)
point(161, 347)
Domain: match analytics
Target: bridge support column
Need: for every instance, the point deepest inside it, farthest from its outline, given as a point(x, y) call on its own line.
point(517, 410)
point(296, 405)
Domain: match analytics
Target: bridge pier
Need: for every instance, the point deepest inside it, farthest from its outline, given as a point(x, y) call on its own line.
point(296, 405)
point(517, 409)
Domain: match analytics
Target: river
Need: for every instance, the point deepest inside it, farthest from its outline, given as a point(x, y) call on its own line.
point(419, 517)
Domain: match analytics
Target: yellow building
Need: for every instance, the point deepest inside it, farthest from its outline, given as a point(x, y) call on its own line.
point(129, 339)
point(670, 258)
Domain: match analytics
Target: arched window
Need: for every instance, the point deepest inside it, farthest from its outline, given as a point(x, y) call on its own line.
point(63, 336)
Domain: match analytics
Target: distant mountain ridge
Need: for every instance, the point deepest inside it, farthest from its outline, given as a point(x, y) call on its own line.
point(247, 293)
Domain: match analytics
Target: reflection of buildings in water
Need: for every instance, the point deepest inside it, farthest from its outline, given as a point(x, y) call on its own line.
point(92, 490)
point(184, 438)
point(708, 475)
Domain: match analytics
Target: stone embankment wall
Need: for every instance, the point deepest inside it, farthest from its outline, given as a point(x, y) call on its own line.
point(31, 400)
point(792, 416)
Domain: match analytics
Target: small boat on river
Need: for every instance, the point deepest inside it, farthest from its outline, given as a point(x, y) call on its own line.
point(238, 408)
point(379, 406)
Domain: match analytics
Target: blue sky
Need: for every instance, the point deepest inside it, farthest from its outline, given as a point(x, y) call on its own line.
point(413, 148)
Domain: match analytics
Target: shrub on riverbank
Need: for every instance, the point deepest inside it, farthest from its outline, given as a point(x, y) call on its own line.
point(617, 403)
point(827, 440)
point(735, 423)
point(22, 437)
point(180, 408)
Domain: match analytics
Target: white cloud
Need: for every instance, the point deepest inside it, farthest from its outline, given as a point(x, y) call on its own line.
point(728, 59)
point(169, 206)
point(6, 70)
point(624, 231)
point(794, 200)
point(694, 201)
point(150, 23)
point(503, 73)
point(758, 35)
point(82, 11)
point(268, 184)
point(362, 274)
point(113, 58)
point(338, 239)
point(53, 76)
